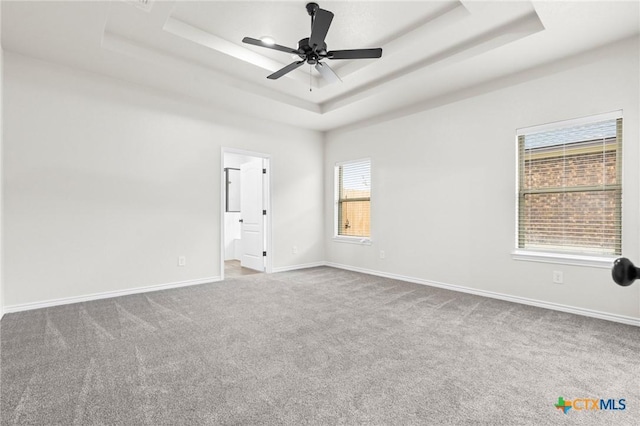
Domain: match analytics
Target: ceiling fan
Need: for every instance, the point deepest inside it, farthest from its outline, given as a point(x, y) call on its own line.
point(313, 50)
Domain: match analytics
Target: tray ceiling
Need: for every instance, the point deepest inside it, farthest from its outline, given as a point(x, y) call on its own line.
point(194, 48)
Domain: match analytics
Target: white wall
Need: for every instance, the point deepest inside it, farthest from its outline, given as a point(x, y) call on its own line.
point(1, 172)
point(107, 183)
point(443, 184)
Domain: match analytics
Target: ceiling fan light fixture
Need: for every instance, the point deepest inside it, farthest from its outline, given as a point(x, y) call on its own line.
point(313, 49)
point(268, 40)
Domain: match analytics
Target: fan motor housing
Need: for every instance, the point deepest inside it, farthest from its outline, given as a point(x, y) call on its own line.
point(307, 53)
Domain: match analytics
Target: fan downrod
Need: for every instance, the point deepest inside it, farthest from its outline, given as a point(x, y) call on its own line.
point(312, 8)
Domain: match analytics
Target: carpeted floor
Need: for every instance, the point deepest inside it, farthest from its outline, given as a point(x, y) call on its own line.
point(318, 346)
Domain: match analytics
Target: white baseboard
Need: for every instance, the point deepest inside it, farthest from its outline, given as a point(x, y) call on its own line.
point(105, 295)
point(494, 295)
point(296, 267)
point(516, 299)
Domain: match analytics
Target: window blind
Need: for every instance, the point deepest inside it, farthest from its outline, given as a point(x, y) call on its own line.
point(570, 189)
point(354, 198)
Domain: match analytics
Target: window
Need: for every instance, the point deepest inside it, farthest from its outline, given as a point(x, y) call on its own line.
point(353, 199)
point(570, 189)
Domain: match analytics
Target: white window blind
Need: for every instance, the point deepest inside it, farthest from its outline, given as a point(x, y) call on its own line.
point(354, 198)
point(570, 189)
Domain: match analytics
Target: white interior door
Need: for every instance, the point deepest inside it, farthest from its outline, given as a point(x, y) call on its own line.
point(252, 218)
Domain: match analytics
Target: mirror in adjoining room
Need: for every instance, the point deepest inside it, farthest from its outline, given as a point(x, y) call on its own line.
point(232, 177)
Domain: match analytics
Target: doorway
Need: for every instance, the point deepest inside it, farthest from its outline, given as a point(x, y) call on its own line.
point(246, 218)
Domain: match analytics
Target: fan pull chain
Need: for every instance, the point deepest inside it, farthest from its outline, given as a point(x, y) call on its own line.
point(310, 79)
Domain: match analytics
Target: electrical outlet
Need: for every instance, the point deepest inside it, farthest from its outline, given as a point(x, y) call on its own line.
point(294, 249)
point(382, 255)
point(558, 277)
point(182, 261)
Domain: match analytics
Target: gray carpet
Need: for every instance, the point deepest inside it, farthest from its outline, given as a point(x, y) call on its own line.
point(319, 346)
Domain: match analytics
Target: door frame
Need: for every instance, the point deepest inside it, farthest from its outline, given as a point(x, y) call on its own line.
point(267, 202)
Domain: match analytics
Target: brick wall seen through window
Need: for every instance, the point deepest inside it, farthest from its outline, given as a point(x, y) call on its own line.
point(570, 190)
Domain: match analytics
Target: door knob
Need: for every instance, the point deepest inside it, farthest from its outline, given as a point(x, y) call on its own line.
point(624, 272)
point(241, 221)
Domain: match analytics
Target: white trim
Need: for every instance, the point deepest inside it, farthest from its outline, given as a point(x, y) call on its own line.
point(296, 267)
point(613, 115)
point(362, 241)
point(336, 225)
point(269, 218)
point(623, 319)
point(244, 152)
point(223, 207)
point(564, 258)
point(356, 160)
point(516, 200)
point(106, 295)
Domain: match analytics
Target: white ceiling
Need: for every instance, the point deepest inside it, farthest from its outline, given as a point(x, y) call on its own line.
point(194, 48)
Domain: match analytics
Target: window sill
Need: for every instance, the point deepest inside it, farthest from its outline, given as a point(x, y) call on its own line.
point(604, 262)
point(363, 241)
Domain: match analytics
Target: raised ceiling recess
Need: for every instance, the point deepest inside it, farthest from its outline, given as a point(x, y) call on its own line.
point(432, 49)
